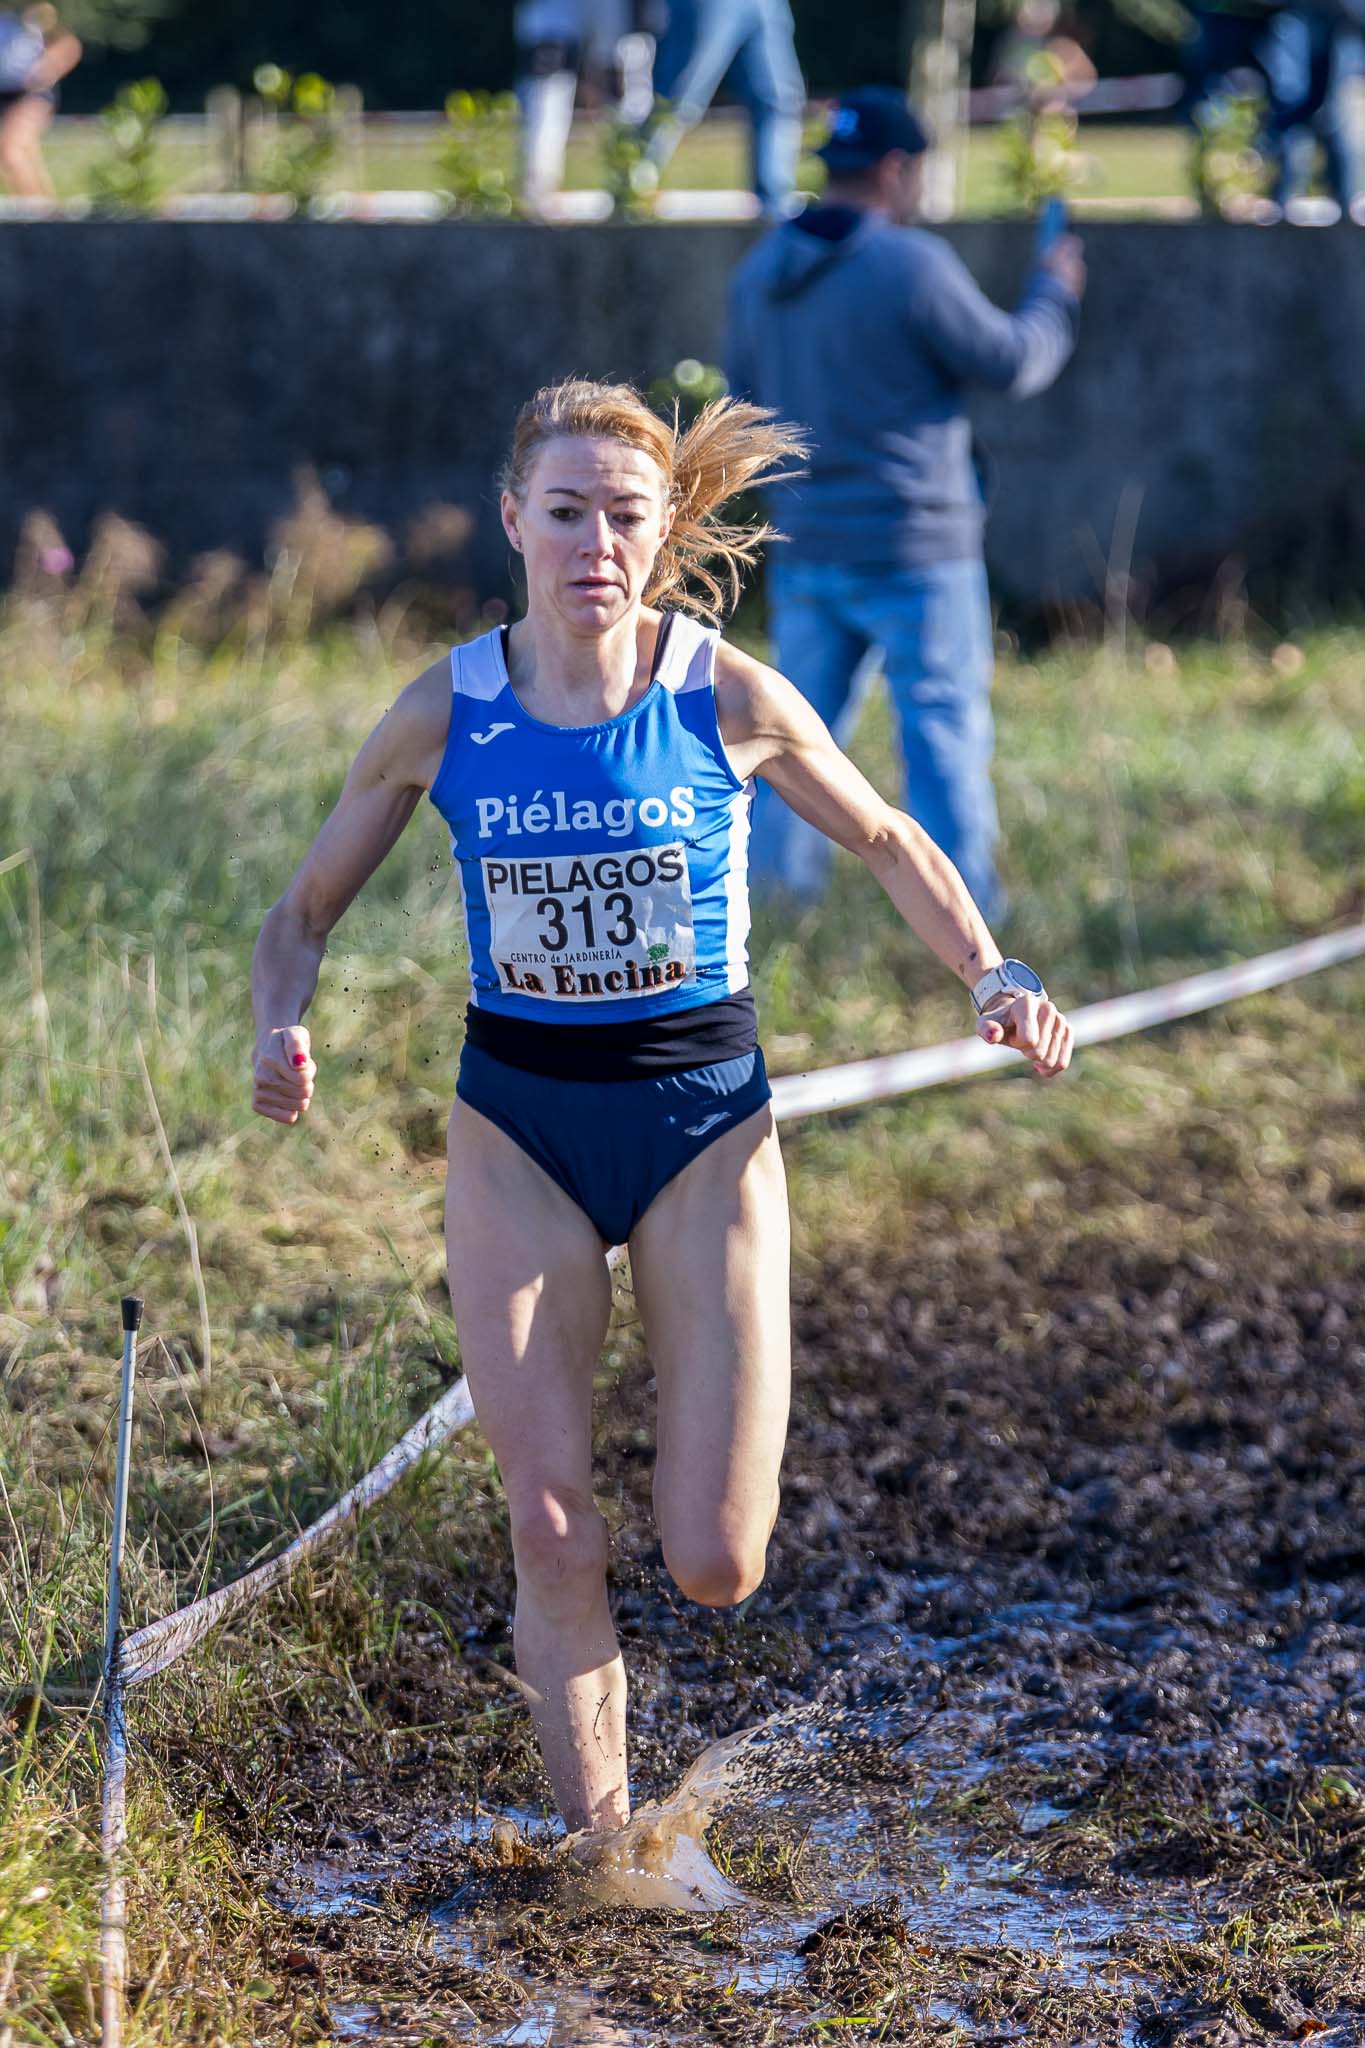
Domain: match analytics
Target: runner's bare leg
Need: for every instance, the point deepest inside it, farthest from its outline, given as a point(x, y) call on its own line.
point(532, 1297)
point(21, 148)
point(711, 1265)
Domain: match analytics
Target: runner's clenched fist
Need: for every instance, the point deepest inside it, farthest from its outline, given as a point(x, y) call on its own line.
point(283, 1075)
point(1033, 1026)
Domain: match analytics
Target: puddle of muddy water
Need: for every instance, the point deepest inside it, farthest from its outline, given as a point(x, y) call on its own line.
point(1126, 1571)
point(885, 1846)
point(565, 2022)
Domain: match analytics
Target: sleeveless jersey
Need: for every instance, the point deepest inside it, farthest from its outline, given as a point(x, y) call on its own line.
point(21, 48)
point(604, 868)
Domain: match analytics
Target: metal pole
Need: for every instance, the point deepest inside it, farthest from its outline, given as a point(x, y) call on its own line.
point(113, 1803)
point(223, 107)
point(940, 74)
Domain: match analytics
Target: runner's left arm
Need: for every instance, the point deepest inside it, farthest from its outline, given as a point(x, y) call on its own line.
point(61, 56)
point(770, 730)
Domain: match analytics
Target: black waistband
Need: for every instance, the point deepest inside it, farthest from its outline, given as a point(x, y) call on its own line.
point(703, 1037)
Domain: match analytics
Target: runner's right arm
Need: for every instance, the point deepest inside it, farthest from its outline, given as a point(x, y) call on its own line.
point(385, 784)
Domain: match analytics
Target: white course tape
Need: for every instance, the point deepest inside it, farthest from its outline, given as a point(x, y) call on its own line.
point(152, 1648)
point(899, 1073)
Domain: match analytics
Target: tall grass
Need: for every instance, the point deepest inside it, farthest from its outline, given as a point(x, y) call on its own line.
point(1159, 815)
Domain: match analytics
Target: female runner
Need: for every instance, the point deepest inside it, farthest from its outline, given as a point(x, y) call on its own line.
point(36, 52)
point(595, 766)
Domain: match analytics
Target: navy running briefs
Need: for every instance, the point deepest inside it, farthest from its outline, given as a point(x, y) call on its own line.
point(612, 1146)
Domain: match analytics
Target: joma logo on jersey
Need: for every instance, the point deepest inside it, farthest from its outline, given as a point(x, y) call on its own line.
point(556, 812)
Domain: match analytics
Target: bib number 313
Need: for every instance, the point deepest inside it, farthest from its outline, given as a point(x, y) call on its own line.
point(601, 927)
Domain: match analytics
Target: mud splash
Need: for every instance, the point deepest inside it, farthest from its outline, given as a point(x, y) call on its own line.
point(658, 1860)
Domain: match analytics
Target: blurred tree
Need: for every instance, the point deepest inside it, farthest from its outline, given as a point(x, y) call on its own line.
point(841, 45)
point(409, 53)
point(114, 24)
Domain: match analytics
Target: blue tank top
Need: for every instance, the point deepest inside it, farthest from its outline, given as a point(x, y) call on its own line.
point(21, 49)
point(604, 867)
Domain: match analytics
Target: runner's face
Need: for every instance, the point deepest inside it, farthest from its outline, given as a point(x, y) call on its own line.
point(590, 525)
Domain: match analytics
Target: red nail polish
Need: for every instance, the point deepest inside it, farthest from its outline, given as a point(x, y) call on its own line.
point(300, 1059)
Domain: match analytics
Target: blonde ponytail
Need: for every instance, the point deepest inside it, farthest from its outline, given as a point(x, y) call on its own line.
point(730, 447)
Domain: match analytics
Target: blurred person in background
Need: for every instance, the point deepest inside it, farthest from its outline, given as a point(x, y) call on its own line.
point(612, 41)
point(1312, 56)
point(622, 38)
point(753, 44)
point(36, 52)
point(547, 36)
point(1040, 32)
point(869, 334)
point(1227, 42)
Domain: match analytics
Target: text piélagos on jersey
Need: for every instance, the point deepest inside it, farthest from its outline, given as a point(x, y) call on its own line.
point(554, 810)
point(562, 873)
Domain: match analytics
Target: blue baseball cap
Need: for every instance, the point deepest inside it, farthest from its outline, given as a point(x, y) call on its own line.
point(867, 124)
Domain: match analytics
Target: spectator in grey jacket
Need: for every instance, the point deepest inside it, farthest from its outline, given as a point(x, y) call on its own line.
point(871, 333)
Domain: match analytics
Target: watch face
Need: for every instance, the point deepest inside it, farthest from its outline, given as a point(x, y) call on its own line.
point(1022, 976)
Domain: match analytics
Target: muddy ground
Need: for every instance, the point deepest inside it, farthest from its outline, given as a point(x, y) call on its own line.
point(1072, 1564)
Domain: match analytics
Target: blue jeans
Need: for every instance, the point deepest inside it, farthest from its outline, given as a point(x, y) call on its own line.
point(1221, 45)
point(755, 40)
point(1310, 59)
point(933, 627)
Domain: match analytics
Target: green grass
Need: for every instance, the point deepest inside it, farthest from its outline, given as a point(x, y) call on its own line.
point(1128, 162)
point(1157, 819)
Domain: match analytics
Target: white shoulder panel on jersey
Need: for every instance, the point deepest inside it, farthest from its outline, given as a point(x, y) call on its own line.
point(476, 667)
point(689, 658)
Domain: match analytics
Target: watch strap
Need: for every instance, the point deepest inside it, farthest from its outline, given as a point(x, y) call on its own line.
point(998, 981)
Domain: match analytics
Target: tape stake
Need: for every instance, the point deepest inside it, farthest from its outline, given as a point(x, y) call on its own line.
point(113, 1787)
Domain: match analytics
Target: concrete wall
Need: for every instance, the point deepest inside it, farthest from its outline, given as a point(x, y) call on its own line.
point(178, 372)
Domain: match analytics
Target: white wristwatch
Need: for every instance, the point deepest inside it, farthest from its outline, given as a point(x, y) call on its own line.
point(1010, 978)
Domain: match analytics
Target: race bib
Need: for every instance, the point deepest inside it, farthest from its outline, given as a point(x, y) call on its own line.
point(596, 927)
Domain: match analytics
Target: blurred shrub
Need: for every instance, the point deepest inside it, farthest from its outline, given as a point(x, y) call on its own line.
point(125, 177)
point(57, 609)
point(322, 570)
point(318, 560)
point(473, 164)
point(206, 610)
point(122, 566)
point(1227, 169)
point(115, 24)
point(1039, 159)
point(302, 141)
point(628, 171)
